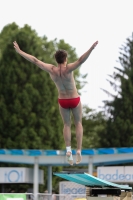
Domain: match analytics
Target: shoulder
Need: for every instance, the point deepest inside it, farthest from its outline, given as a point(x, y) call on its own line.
point(45, 66)
point(72, 66)
point(68, 69)
point(54, 70)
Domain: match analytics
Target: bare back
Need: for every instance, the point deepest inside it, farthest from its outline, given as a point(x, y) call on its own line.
point(64, 82)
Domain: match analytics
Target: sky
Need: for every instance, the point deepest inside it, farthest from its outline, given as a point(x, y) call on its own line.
point(80, 23)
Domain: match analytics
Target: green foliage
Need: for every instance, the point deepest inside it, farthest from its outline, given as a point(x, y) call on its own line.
point(94, 123)
point(119, 132)
point(28, 97)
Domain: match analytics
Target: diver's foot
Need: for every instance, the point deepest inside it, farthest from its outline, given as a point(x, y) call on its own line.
point(69, 157)
point(78, 157)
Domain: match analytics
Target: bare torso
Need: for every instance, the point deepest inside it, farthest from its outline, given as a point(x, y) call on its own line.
point(64, 82)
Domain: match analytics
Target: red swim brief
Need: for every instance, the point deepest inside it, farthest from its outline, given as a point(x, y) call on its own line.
point(69, 103)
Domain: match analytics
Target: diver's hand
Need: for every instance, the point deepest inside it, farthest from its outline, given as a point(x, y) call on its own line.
point(94, 45)
point(17, 49)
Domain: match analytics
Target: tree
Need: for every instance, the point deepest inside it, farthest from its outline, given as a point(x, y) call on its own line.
point(119, 132)
point(30, 117)
point(94, 123)
point(28, 98)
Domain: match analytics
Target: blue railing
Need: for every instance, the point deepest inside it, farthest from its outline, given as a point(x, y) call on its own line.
point(37, 152)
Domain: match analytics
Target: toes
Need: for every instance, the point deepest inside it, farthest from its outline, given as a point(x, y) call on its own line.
point(70, 162)
point(68, 154)
point(78, 158)
point(69, 158)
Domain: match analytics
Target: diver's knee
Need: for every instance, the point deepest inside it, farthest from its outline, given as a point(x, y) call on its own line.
point(78, 123)
point(67, 124)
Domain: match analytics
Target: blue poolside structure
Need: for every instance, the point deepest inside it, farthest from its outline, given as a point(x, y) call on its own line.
point(49, 158)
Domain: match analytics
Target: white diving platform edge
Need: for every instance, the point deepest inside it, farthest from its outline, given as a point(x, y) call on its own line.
point(89, 180)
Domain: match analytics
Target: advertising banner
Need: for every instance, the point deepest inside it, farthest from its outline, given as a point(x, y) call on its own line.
point(12, 196)
point(19, 175)
point(121, 174)
point(71, 190)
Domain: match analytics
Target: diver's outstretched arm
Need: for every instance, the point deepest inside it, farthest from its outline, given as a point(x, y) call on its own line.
point(44, 66)
point(82, 59)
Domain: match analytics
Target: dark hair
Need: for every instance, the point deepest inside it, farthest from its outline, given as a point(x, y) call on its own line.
point(60, 56)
